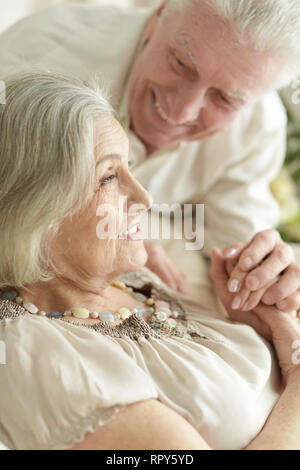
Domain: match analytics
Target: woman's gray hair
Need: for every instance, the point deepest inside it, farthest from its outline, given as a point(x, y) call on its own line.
point(271, 26)
point(47, 166)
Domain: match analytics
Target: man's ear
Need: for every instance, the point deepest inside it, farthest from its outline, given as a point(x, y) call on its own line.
point(153, 22)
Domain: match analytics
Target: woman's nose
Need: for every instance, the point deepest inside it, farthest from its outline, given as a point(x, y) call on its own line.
point(139, 198)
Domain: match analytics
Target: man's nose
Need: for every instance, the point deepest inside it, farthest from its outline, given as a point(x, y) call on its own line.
point(186, 105)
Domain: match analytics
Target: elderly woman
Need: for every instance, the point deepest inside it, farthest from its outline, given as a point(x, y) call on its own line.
point(99, 352)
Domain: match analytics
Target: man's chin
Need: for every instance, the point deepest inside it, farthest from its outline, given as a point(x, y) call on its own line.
point(154, 142)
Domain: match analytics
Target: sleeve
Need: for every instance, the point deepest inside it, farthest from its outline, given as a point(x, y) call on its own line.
point(30, 41)
point(61, 381)
point(240, 203)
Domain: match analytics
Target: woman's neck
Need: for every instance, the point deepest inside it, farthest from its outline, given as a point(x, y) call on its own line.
point(59, 295)
point(62, 294)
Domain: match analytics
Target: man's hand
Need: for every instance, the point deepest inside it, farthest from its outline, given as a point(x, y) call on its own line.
point(163, 266)
point(281, 328)
point(265, 261)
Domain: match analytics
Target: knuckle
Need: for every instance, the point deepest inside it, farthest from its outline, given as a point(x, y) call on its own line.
point(271, 234)
point(265, 237)
point(283, 254)
point(277, 293)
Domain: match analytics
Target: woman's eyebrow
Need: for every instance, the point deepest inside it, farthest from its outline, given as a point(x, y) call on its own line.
point(113, 156)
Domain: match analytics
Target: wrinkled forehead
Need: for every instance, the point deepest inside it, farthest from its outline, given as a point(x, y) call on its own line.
point(201, 23)
point(109, 137)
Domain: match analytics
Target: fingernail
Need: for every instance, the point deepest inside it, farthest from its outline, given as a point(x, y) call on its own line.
point(245, 307)
point(236, 303)
point(252, 282)
point(230, 252)
point(247, 263)
point(233, 286)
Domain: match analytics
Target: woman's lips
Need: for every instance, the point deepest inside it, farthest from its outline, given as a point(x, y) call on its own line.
point(133, 233)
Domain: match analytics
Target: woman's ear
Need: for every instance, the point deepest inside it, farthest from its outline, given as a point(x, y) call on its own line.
point(152, 23)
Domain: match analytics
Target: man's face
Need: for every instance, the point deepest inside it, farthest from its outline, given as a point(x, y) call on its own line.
point(191, 80)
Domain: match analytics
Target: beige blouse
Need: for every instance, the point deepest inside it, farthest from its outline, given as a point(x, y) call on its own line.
point(62, 380)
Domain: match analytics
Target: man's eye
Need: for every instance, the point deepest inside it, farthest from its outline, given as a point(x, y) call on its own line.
point(107, 180)
point(224, 99)
point(179, 62)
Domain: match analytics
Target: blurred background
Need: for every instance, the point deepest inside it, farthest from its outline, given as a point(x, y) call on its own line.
point(286, 188)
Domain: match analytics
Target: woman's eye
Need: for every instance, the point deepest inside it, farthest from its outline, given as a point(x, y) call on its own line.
point(107, 180)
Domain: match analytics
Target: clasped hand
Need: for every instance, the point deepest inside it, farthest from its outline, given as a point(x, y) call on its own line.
point(265, 271)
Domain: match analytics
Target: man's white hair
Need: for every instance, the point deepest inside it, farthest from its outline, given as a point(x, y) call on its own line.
point(271, 26)
point(47, 166)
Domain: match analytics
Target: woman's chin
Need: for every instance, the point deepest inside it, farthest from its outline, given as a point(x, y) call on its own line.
point(137, 258)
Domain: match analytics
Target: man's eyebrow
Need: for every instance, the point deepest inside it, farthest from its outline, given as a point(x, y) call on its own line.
point(112, 156)
point(231, 94)
point(189, 53)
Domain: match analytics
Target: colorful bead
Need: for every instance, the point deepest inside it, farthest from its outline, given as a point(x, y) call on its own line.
point(106, 316)
point(161, 316)
point(171, 322)
point(150, 301)
point(124, 312)
point(94, 315)
point(30, 307)
point(119, 285)
point(9, 294)
point(139, 297)
point(166, 310)
point(67, 313)
point(42, 313)
point(55, 315)
point(179, 311)
point(19, 300)
point(174, 314)
point(150, 310)
point(80, 312)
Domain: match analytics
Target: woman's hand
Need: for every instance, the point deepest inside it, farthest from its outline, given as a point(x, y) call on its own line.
point(281, 328)
point(160, 263)
point(254, 271)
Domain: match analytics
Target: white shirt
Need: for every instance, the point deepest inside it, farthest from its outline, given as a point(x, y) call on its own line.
point(229, 173)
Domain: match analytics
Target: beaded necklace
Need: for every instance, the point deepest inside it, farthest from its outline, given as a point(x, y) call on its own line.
point(153, 307)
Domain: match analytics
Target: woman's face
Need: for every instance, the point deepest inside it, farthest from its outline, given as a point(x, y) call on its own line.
point(93, 243)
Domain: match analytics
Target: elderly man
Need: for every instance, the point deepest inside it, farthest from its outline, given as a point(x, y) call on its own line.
point(193, 82)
